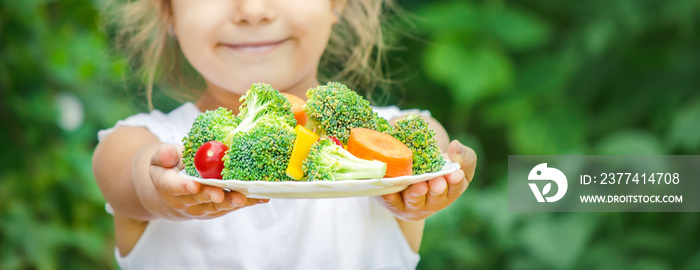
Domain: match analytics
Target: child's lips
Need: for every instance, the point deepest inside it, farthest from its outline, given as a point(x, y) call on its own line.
point(255, 47)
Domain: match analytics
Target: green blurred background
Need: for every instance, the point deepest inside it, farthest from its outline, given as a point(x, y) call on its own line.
point(504, 77)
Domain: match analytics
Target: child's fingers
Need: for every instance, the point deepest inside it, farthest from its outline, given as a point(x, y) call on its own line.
point(165, 177)
point(180, 148)
point(207, 210)
point(167, 156)
point(229, 203)
point(393, 201)
point(207, 194)
point(254, 201)
point(214, 194)
point(457, 184)
point(437, 195)
point(211, 209)
point(437, 186)
point(465, 156)
point(424, 198)
point(238, 199)
point(215, 210)
point(414, 196)
point(167, 181)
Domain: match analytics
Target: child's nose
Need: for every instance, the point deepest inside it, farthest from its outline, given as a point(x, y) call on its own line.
point(252, 12)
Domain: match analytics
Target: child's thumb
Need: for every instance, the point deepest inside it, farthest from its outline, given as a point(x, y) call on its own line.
point(465, 156)
point(167, 156)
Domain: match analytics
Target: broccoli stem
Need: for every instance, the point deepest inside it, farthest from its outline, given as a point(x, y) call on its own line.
point(248, 122)
point(360, 174)
point(355, 168)
point(250, 119)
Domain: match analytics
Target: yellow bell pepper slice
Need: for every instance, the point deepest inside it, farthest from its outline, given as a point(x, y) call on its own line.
point(302, 145)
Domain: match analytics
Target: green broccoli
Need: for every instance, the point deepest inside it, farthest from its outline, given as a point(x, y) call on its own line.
point(261, 153)
point(414, 132)
point(209, 126)
point(328, 161)
point(333, 109)
point(260, 102)
point(380, 124)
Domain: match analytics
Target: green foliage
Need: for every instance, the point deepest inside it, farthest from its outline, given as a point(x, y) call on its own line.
point(556, 77)
point(414, 132)
point(328, 161)
point(333, 109)
point(261, 153)
point(213, 125)
point(58, 85)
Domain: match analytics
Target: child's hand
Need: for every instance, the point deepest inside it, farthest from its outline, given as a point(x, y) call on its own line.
point(421, 200)
point(179, 198)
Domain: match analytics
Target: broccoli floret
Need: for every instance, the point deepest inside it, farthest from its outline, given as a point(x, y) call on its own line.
point(328, 161)
point(414, 132)
point(261, 153)
point(333, 109)
point(209, 126)
point(260, 102)
point(380, 124)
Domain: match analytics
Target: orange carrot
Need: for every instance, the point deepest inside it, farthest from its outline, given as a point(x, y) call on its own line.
point(374, 145)
point(299, 113)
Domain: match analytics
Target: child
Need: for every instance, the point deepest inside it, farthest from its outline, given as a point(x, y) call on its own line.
point(163, 221)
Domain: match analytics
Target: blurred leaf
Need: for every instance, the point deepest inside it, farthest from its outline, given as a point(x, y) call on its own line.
point(550, 132)
point(591, 77)
point(684, 132)
point(458, 17)
point(557, 242)
point(546, 75)
point(597, 36)
point(517, 29)
point(471, 73)
point(630, 143)
point(651, 264)
point(693, 262)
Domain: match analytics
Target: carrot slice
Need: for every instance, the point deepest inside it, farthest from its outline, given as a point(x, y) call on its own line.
point(297, 103)
point(374, 145)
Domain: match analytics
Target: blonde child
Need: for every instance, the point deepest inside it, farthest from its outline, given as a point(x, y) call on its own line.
point(163, 221)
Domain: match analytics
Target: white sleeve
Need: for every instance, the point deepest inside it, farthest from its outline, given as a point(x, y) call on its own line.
point(169, 128)
point(146, 120)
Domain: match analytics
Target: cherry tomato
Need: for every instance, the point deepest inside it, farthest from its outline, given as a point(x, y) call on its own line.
point(336, 141)
point(208, 159)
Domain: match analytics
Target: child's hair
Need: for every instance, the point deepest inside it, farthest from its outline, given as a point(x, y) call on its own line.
point(354, 54)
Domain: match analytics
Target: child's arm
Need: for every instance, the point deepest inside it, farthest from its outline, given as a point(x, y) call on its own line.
point(412, 205)
point(138, 176)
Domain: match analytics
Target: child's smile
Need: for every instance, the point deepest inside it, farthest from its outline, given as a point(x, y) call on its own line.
point(234, 44)
point(255, 47)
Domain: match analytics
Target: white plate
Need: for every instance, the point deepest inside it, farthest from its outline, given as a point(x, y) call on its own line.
point(322, 189)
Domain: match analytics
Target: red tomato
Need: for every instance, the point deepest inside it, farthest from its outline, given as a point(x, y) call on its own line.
point(336, 141)
point(208, 159)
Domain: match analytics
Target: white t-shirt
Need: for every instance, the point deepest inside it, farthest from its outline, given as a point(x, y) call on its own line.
point(343, 233)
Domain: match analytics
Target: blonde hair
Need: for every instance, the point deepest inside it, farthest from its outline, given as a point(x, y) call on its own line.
point(354, 55)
